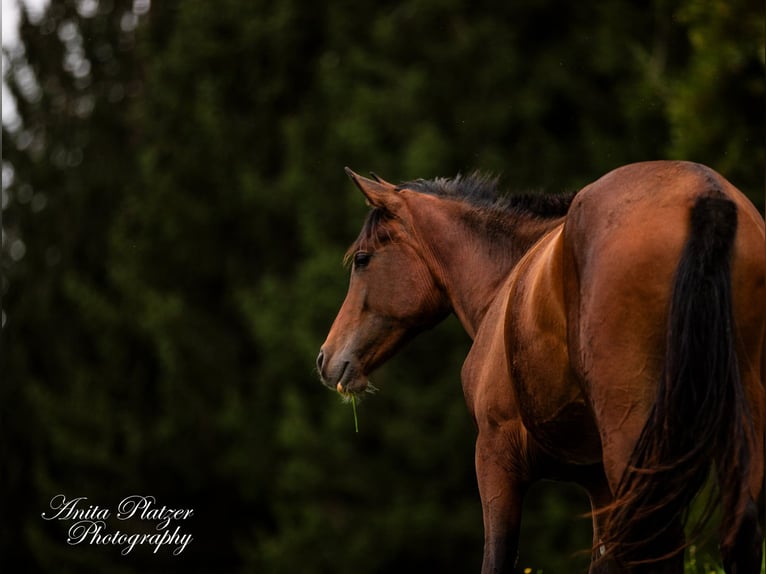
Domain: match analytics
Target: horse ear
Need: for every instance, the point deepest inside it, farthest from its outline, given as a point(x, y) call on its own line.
point(379, 179)
point(379, 193)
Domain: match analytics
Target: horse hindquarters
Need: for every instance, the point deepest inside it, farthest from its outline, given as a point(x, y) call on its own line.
point(660, 369)
point(699, 387)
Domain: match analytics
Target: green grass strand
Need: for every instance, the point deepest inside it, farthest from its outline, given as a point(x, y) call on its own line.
point(353, 408)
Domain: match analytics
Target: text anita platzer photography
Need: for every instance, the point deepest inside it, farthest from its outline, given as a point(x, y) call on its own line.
point(89, 524)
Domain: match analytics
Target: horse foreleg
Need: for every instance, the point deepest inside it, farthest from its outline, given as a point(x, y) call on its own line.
point(502, 489)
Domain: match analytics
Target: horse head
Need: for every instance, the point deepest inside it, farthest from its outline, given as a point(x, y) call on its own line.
point(393, 293)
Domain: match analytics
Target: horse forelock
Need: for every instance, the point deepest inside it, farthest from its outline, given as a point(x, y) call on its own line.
point(373, 235)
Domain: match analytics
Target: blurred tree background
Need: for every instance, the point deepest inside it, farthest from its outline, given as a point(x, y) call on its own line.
point(174, 217)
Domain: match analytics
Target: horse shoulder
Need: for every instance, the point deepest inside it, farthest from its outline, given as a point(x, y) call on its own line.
point(485, 376)
point(551, 401)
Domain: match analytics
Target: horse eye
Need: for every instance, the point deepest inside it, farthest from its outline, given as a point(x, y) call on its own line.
point(361, 259)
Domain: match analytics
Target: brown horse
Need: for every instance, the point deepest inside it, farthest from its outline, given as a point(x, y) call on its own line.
point(619, 342)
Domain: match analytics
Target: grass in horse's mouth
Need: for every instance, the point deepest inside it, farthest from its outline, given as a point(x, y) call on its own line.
point(351, 397)
point(370, 389)
point(353, 406)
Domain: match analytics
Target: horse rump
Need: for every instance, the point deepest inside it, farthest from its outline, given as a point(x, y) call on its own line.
point(700, 416)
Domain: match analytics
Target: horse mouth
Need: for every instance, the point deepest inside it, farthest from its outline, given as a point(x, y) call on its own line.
point(350, 381)
point(360, 388)
point(347, 382)
point(356, 387)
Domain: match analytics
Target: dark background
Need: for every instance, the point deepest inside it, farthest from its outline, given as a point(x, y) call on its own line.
point(174, 217)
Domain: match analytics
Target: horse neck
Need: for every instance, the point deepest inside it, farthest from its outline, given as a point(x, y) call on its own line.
point(472, 264)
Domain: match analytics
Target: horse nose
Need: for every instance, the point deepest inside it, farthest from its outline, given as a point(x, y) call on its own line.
point(320, 362)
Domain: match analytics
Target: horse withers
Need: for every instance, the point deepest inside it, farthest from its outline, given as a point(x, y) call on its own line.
point(618, 342)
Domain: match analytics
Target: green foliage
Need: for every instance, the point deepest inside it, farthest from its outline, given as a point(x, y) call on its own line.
point(725, 68)
point(175, 214)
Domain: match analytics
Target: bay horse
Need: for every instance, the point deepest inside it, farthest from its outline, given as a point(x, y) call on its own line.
point(619, 342)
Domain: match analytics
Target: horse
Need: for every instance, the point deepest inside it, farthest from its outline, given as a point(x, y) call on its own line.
point(618, 342)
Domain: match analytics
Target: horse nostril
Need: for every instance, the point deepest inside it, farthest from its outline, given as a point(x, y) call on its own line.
point(320, 361)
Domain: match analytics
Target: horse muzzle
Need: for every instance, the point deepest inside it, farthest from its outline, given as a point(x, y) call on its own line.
point(341, 375)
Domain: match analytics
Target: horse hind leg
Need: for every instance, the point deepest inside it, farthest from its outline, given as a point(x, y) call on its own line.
point(668, 544)
point(600, 497)
point(744, 555)
point(664, 555)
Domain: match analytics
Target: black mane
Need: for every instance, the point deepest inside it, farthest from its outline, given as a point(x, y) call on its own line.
point(490, 208)
point(481, 191)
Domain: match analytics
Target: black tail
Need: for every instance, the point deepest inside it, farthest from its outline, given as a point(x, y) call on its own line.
point(700, 414)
